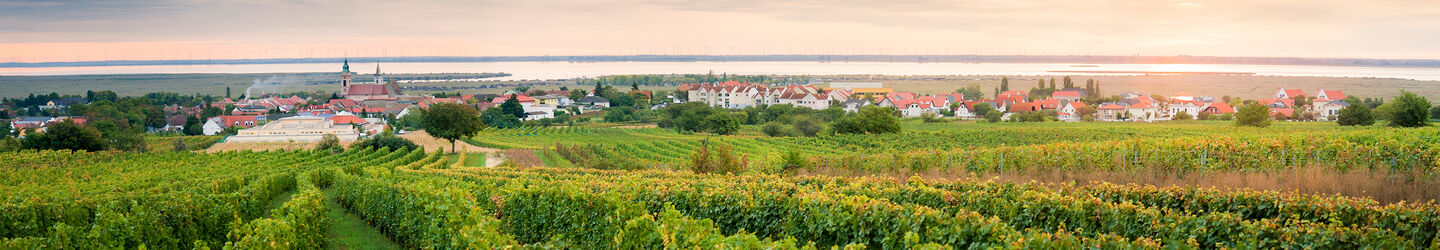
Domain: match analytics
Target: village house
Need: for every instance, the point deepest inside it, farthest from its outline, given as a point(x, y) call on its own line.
point(967, 108)
point(1330, 110)
point(1189, 107)
point(593, 101)
point(1071, 111)
point(732, 95)
point(1111, 111)
point(219, 123)
point(854, 105)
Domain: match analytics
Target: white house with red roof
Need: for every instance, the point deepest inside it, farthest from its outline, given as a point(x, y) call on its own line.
point(1011, 97)
point(219, 123)
point(1330, 110)
point(1285, 93)
point(919, 106)
point(1144, 111)
point(1071, 111)
point(1189, 107)
point(967, 108)
point(732, 94)
point(797, 95)
point(1216, 108)
point(1110, 111)
point(1330, 94)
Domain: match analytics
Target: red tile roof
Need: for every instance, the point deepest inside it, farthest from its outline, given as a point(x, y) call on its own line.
point(1334, 94)
point(1287, 111)
point(243, 121)
point(1292, 93)
point(1024, 107)
point(521, 98)
point(1111, 107)
point(1220, 108)
point(368, 89)
point(348, 119)
point(1049, 104)
point(1066, 94)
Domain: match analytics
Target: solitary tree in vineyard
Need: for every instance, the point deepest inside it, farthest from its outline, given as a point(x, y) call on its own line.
point(451, 121)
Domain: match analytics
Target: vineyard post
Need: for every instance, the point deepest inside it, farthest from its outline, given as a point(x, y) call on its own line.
point(1002, 163)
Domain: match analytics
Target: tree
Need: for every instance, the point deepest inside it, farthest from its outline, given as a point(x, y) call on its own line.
point(982, 109)
point(384, 141)
point(5, 130)
point(993, 116)
point(1356, 115)
point(971, 92)
point(329, 143)
point(808, 126)
point(1408, 110)
point(452, 121)
point(493, 117)
point(1254, 115)
point(773, 129)
point(722, 123)
point(870, 120)
point(512, 106)
point(1181, 116)
point(66, 135)
point(1004, 84)
point(1434, 112)
point(193, 126)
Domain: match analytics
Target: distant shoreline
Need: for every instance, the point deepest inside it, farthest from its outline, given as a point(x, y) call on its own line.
point(1355, 62)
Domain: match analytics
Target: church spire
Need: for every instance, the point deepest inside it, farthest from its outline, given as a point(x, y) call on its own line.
point(347, 65)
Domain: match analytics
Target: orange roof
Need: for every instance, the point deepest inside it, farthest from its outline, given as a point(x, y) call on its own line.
point(348, 119)
point(518, 97)
point(367, 89)
point(1293, 92)
point(1077, 104)
point(1049, 104)
point(1059, 94)
point(1334, 94)
point(244, 121)
point(1111, 107)
point(1220, 108)
point(1024, 107)
point(1288, 112)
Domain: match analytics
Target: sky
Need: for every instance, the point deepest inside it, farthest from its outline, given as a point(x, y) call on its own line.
point(49, 31)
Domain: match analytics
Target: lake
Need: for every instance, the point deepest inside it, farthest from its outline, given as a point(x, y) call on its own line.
point(566, 70)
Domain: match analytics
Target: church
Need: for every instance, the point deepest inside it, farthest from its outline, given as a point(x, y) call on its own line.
point(359, 92)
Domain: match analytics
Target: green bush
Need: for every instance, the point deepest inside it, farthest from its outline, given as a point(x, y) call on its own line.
point(1253, 115)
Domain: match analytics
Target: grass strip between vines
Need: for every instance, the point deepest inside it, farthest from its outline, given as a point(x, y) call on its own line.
point(350, 232)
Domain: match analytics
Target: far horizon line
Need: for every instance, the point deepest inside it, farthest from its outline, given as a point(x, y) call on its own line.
point(916, 58)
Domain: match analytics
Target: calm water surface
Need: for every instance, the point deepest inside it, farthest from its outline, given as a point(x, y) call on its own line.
point(565, 70)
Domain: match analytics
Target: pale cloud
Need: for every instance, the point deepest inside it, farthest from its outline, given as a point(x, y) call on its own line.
point(143, 29)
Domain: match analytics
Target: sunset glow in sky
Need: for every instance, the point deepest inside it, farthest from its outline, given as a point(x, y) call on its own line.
point(43, 31)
